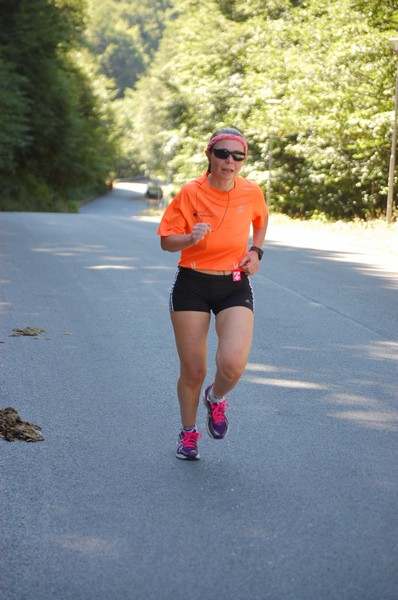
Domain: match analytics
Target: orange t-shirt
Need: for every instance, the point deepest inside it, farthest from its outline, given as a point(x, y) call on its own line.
point(230, 215)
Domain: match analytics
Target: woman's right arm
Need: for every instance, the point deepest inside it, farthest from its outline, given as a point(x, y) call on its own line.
point(176, 242)
point(179, 241)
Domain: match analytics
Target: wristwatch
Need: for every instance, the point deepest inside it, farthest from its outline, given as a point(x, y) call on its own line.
point(258, 250)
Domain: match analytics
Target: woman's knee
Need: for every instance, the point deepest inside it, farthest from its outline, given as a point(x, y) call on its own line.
point(231, 369)
point(194, 374)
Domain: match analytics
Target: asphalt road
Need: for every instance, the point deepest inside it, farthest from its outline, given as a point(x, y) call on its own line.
point(299, 502)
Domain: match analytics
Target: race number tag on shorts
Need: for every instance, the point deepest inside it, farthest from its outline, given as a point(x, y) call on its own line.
point(236, 276)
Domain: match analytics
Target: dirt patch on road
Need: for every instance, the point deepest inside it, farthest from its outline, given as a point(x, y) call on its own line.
point(12, 427)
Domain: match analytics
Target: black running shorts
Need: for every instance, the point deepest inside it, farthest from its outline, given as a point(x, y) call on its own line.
point(201, 292)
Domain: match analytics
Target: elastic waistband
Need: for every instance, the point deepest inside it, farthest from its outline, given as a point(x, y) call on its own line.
point(218, 275)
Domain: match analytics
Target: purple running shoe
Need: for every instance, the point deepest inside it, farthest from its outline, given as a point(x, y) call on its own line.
point(217, 421)
point(187, 448)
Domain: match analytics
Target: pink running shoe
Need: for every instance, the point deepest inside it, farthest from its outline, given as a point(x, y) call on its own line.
point(217, 421)
point(187, 448)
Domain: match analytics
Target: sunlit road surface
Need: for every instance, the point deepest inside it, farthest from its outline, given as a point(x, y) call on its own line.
point(299, 502)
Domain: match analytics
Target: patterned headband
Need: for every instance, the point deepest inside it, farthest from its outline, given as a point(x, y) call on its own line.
point(227, 136)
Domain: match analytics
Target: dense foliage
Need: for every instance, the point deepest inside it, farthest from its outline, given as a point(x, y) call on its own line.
point(124, 35)
point(313, 78)
point(99, 88)
point(53, 139)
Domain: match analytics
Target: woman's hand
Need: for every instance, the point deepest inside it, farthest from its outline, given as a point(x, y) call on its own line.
point(199, 232)
point(250, 263)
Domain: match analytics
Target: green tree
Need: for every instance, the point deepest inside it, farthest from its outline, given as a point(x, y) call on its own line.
point(124, 35)
point(316, 77)
point(53, 140)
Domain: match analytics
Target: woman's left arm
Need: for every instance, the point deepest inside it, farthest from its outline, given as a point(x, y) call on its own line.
point(259, 233)
point(251, 262)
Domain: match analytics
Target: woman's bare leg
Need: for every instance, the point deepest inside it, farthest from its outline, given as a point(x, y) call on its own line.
point(190, 330)
point(234, 327)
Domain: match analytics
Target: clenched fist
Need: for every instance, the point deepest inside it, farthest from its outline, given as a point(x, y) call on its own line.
point(199, 232)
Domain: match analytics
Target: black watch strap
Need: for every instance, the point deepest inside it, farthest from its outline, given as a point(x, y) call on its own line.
point(258, 250)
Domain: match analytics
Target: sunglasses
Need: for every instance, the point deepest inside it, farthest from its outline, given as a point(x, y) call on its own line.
point(223, 153)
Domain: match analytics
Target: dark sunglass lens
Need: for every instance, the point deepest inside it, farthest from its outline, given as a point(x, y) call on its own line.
point(221, 153)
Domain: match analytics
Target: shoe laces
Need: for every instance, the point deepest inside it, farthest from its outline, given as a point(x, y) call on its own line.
point(217, 411)
point(189, 438)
